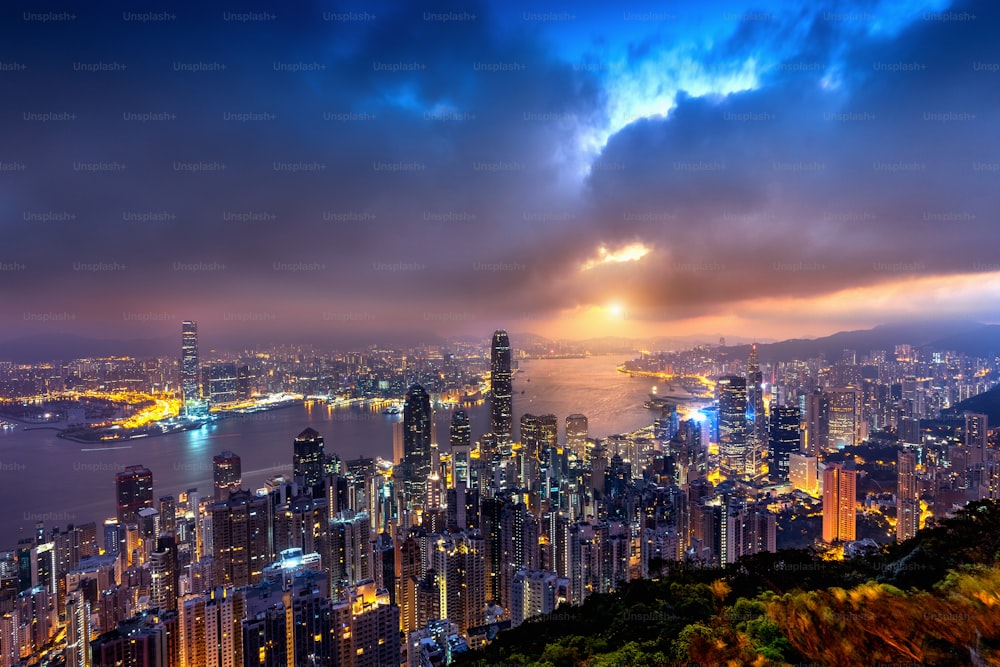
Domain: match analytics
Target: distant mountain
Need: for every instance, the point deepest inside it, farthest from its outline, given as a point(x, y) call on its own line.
point(965, 336)
point(987, 403)
point(65, 347)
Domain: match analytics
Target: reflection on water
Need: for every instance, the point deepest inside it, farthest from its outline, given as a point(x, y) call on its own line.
point(62, 482)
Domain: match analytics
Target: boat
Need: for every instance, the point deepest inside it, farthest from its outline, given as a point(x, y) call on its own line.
point(393, 410)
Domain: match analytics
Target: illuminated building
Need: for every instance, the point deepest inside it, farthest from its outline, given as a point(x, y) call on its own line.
point(190, 391)
point(244, 382)
point(304, 523)
point(163, 575)
point(352, 549)
point(501, 390)
point(846, 428)
point(134, 491)
point(416, 465)
point(784, 440)
point(733, 424)
point(839, 504)
point(222, 383)
point(817, 432)
point(536, 592)
point(976, 432)
point(461, 449)
point(460, 434)
point(168, 514)
point(907, 496)
point(241, 538)
point(308, 458)
point(373, 629)
point(802, 472)
point(227, 474)
point(539, 434)
point(757, 435)
point(77, 630)
point(460, 563)
point(577, 431)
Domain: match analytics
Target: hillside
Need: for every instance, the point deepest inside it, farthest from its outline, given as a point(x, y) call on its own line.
point(934, 599)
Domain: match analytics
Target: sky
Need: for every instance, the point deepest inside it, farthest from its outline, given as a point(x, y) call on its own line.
point(341, 170)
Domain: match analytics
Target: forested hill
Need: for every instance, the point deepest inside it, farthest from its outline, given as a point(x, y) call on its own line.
point(934, 599)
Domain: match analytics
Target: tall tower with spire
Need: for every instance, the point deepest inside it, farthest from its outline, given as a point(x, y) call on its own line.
point(756, 418)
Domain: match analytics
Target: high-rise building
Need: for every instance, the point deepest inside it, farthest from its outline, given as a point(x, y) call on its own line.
point(733, 443)
point(227, 474)
point(802, 472)
point(757, 434)
point(168, 514)
point(371, 635)
point(536, 592)
point(576, 435)
point(817, 432)
point(501, 390)
point(222, 383)
point(839, 503)
point(460, 563)
point(784, 439)
point(77, 631)
point(308, 456)
point(460, 440)
point(163, 575)
point(845, 423)
point(416, 468)
point(190, 391)
point(539, 434)
point(244, 382)
point(352, 550)
point(976, 432)
point(134, 491)
point(241, 538)
point(461, 431)
point(907, 496)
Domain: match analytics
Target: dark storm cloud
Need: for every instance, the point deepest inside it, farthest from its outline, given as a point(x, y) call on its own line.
point(845, 168)
point(375, 167)
point(403, 164)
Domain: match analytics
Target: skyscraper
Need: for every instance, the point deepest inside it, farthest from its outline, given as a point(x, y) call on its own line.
point(134, 491)
point(756, 419)
point(845, 425)
point(241, 544)
point(976, 432)
point(576, 435)
point(416, 443)
point(461, 431)
point(77, 630)
point(907, 496)
point(459, 561)
point(222, 383)
point(539, 433)
point(733, 423)
point(461, 448)
point(501, 391)
point(307, 457)
point(189, 363)
point(227, 474)
point(784, 439)
point(817, 434)
point(839, 503)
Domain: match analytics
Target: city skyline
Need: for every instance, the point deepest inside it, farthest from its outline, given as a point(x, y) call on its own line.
point(741, 399)
point(729, 168)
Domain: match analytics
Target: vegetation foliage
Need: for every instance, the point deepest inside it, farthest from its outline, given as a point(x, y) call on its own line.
point(934, 599)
